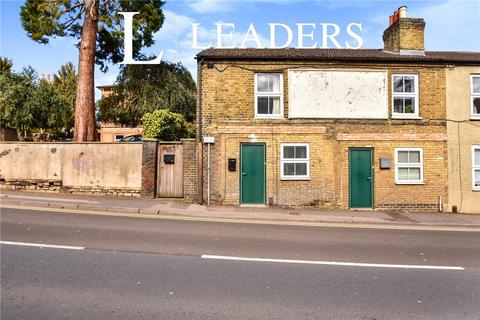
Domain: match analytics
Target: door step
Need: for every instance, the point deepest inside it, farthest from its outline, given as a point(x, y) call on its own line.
point(253, 206)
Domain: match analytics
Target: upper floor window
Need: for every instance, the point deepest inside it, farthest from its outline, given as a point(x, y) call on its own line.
point(408, 166)
point(268, 95)
point(295, 161)
point(475, 85)
point(405, 96)
point(476, 167)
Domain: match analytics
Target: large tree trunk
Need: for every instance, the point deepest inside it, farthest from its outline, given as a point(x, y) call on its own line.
point(85, 99)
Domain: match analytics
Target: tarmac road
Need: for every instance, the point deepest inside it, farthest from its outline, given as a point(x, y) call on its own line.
point(133, 268)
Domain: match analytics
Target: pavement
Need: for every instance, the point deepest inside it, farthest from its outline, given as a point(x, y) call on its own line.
point(169, 207)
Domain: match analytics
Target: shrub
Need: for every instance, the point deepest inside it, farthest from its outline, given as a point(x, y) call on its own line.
point(164, 125)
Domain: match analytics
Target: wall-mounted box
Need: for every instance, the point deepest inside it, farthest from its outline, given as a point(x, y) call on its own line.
point(232, 164)
point(385, 163)
point(169, 158)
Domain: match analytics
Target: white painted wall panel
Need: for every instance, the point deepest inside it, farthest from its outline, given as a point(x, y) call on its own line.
point(337, 94)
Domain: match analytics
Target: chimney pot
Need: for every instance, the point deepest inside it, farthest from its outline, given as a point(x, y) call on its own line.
point(402, 12)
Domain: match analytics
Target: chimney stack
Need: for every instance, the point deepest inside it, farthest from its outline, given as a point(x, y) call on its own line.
point(404, 35)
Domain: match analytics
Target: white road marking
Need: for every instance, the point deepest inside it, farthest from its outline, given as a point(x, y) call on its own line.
point(333, 263)
point(41, 245)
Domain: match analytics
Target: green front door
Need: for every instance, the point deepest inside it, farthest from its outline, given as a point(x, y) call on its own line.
point(360, 177)
point(252, 173)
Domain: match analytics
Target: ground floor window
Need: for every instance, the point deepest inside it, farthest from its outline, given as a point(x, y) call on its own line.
point(476, 167)
point(295, 161)
point(409, 165)
point(118, 137)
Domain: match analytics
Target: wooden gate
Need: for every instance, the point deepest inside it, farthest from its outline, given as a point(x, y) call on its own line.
point(170, 170)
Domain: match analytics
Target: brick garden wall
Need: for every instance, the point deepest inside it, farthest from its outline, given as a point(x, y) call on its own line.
point(149, 168)
point(115, 169)
point(190, 170)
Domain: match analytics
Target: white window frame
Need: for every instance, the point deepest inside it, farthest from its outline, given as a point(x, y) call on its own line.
point(290, 160)
point(408, 165)
point(473, 95)
point(269, 94)
point(474, 168)
point(416, 114)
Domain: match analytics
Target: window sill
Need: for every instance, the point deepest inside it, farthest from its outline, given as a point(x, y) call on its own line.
point(475, 117)
point(269, 118)
point(405, 117)
point(295, 179)
point(410, 182)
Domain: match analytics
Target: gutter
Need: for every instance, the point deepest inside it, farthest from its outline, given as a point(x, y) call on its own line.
point(424, 61)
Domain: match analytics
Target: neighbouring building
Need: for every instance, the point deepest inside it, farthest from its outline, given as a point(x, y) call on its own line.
point(463, 128)
point(336, 128)
point(112, 132)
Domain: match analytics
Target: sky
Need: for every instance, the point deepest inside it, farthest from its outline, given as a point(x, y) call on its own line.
point(451, 25)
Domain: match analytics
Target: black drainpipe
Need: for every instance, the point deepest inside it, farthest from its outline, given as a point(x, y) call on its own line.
point(199, 134)
point(199, 113)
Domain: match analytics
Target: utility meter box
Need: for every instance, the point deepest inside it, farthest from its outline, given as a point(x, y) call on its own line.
point(385, 163)
point(232, 164)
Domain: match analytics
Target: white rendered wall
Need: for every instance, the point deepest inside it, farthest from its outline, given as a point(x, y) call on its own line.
point(337, 94)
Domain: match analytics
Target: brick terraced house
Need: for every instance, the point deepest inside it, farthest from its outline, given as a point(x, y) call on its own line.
point(331, 128)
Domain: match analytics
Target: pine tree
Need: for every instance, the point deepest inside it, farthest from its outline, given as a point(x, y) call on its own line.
point(97, 25)
point(6, 65)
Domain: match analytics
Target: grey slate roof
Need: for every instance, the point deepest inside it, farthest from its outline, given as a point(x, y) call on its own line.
point(365, 55)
